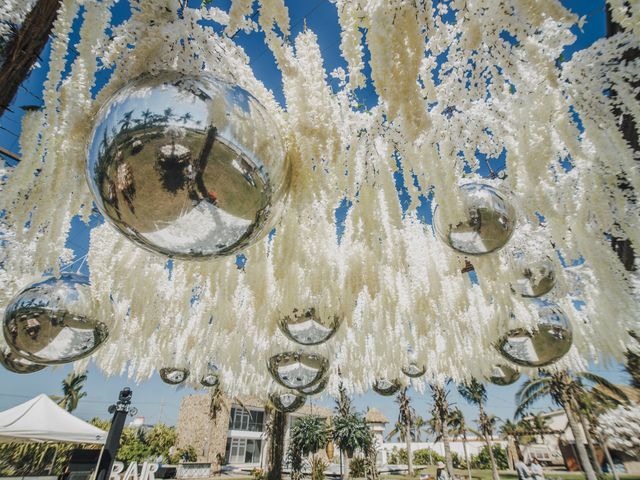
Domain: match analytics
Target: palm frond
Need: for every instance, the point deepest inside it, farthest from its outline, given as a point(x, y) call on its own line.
point(525, 403)
point(532, 386)
point(598, 380)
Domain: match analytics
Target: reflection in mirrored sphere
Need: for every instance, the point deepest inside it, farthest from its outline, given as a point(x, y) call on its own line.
point(298, 369)
point(47, 322)
point(307, 327)
point(413, 370)
point(386, 387)
point(546, 343)
point(315, 389)
point(534, 276)
point(504, 375)
point(15, 364)
point(487, 224)
point(189, 167)
point(174, 376)
point(287, 402)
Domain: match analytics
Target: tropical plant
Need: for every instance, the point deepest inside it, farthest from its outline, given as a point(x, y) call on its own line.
point(358, 467)
point(350, 433)
point(275, 429)
point(349, 429)
point(440, 421)
point(511, 431)
point(475, 393)
point(71, 391)
point(427, 456)
point(458, 428)
point(564, 389)
point(308, 435)
point(405, 418)
point(418, 426)
point(318, 466)
point(160, 439)
point(485, 459)
point(632, 366)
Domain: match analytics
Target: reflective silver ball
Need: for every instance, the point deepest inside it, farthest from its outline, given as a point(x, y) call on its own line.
point(174, 376)
point(487, 224)
point(504, 375)
point(413, 370)
point(212, 377)
point(298, 369)
point(386, 387)
point(287, 402)
point(48, 322)
point(546, 343)
point(187, 166)
point(307, 327)
point(15, 364)
point(315, 389)
point(534, 277)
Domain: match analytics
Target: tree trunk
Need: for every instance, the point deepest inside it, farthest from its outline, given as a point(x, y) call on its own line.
point(580, 441)
point(512, 456)
point(23, 50)
point(409, 453)
point(592, 448)
point(607, 454)
point(276, 445)
point(487, 440)
point(345, 463)
point(466, 453)
point(444, 433)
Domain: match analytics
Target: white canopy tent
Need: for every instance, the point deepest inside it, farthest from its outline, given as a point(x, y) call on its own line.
point(42, 420)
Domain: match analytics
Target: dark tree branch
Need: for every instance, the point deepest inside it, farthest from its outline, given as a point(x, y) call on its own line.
point(23, 49)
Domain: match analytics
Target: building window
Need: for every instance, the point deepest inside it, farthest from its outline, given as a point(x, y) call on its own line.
point(243, 450)
point(247, 420)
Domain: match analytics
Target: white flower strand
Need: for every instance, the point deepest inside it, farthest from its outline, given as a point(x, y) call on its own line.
point(453, 85)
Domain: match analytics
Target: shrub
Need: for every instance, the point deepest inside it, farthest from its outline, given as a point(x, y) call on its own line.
point(358, 467)
point(318, 466)
point(258, 474)
point(482, 461)
point(426, 456)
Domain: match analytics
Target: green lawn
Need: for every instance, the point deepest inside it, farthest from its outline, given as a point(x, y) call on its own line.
point(486, 475)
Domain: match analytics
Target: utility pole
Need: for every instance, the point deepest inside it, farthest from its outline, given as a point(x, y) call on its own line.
point(112, 444)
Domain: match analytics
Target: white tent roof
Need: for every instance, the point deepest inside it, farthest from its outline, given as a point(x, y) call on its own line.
point(42, 420)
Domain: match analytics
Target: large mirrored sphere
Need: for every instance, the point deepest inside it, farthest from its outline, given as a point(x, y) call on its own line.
point(546, 343)
point(15, 364)
point(307, 327)
point(315, 389)
point(487, 224)
point(48, 322)
point(386, 387)
point(414, 370)
point(298, 369)
point(503, 375)
point(287, 402)
point(187, 166)
point(174, 376)
point(534, 276)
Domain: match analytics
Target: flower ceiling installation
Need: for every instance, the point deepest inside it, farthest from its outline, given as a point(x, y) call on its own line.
point(520, 155)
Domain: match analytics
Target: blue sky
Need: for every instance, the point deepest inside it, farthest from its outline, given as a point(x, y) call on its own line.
point(155, 400)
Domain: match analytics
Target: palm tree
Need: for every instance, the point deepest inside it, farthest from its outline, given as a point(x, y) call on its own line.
point(475, 393)
point(565, 390)
point(419, 425)
point(512, 431)
point(458, 428)
point(440, 416)
point(308, 435)
point(349, 429)
point(398, 430)
point(275, 429)
point(405, 418)
point(72, 391)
